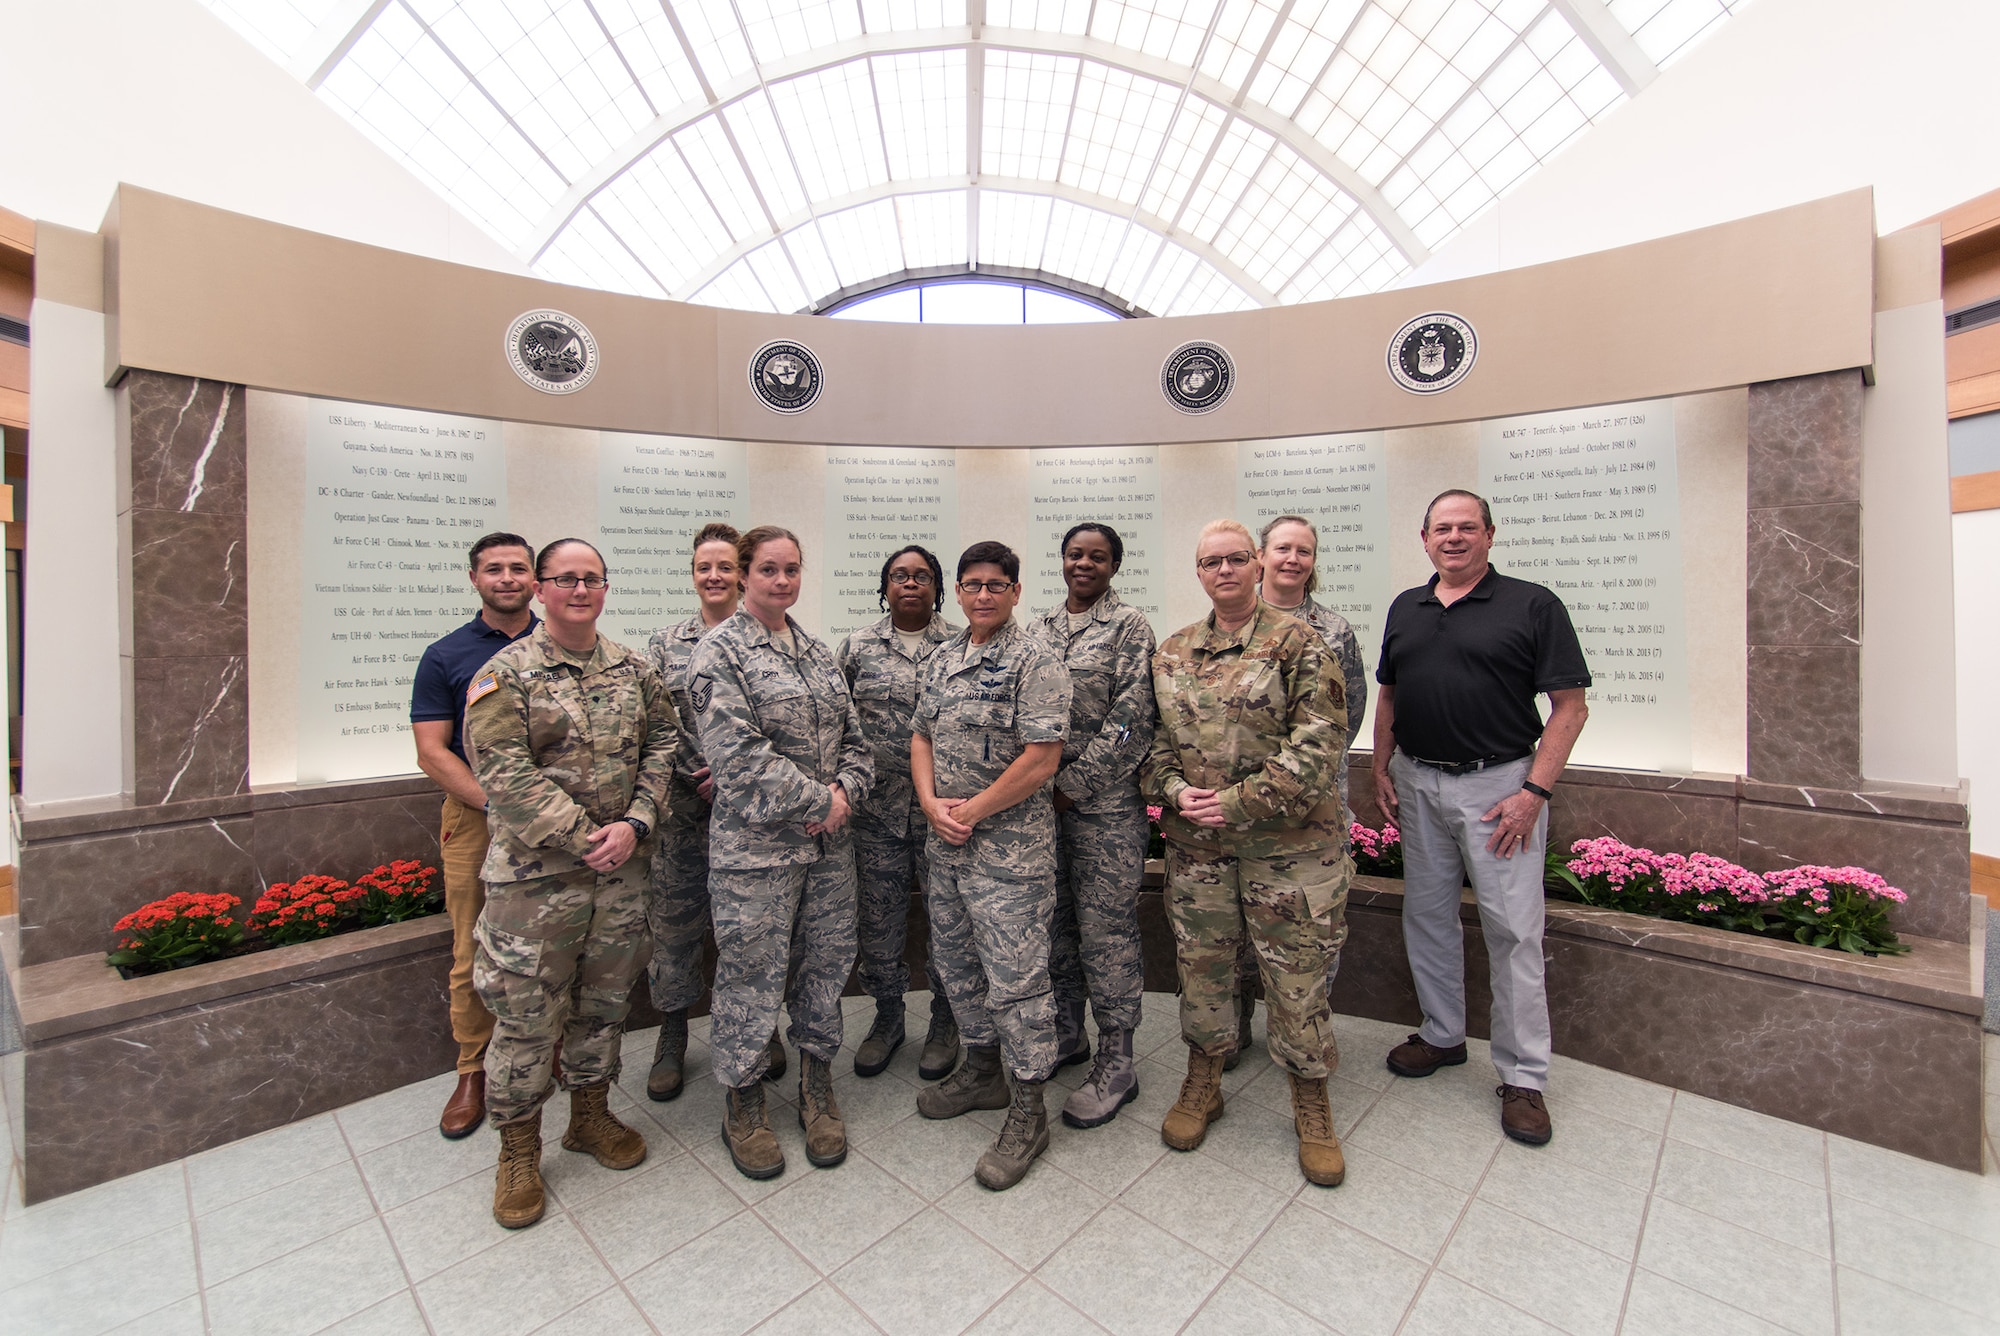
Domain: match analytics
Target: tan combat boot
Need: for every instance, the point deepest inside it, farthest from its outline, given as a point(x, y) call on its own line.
point(1200, 1102)
point(977, 1084)
point(1023, 1136)
point(517, 1188)
point(753, 1146)
point(1319, 1149)
point(594, 1129)
point(819, 1113)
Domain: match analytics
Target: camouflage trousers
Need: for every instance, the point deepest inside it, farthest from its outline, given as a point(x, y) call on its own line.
point(556, 957)
point(990, 947)
point(1293, 911)
point(1246, 957)
point(677, 913)
point(1094, 941)
point(782, 935)
point(886, 862)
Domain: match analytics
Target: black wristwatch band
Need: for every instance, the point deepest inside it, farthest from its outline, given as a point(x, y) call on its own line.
point(639, 828)
point(1536, 789)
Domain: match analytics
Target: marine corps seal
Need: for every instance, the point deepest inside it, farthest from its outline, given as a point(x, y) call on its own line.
point(785, 376)
point(1432, 353)
point(1197, 377)
point(551, 351)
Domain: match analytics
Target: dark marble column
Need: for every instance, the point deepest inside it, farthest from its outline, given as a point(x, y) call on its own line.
point(185, 461)
point(1804, 571)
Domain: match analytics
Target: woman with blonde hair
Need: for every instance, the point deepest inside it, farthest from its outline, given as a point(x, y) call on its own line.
point(1253, 723)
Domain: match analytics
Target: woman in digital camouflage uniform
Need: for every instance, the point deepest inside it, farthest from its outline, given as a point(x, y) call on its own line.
point(1253, 722)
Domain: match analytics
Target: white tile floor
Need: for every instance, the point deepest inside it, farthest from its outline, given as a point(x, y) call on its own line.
point(1652, 1211)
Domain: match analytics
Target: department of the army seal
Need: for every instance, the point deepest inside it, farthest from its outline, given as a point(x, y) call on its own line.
point(1197, 377)
point(785, 376)
point(1432, 353)
point(551, 351)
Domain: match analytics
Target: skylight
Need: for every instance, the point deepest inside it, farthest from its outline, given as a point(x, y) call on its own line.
point(1185, 156)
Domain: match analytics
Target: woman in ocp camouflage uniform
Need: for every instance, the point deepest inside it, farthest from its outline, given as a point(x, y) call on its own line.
point(1253, 721)
point(785, 748)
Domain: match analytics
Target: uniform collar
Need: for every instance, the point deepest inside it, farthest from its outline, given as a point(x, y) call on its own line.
point(756, 633)
point(694, 628)
point(1100, 611)
point(607, 653)
point(1214, 641)
point(996, 644)
point(884, 630)
point(481, 627)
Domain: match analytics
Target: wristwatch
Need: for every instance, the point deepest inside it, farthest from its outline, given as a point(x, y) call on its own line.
point(1536, 789)
point(639, 828)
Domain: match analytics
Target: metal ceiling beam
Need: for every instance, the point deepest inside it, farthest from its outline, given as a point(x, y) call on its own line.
point(664, 126)
point(1231, 270)
point(1616, 50)
point(333, 39)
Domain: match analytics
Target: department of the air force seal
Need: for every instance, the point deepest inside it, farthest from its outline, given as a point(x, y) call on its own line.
point(1197, 377)
point(551, 351)
point(1432, 353)
point(785, 376)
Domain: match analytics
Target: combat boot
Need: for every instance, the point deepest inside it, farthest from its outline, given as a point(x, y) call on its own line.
point(1200, 1102)
point(1022, 1137)
point(940, 1053)
point(1112, 1084)
point(1319, 1149)
point(753, 1146)
point(819, 1113)
point(517, 1188)
point(669, 1057)
point(885, 1036)
point(1072, 1044)
point(1246, 1007)
point(977, 1084)
point(594, 1129)
point(776, 1050)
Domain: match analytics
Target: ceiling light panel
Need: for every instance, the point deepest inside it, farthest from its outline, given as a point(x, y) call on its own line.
point(1170, 29)
point(780, 28)
point(589, 254)
point(1357, 258)
point(1239, 156)
point(660, 210)
point(864, 242)
point(1116, 132)
point(738, 288)
point(1239, 34)
point(911, 15)
point(1027, 109)
point(922, 99)
point(721, 49)
point(1289, 211)
point(707, 152)
point(835, 134)
point(644, 37)
point(1013, 228)
point(1666, 29)
point(1083, 242)
point(1181, 158)
point(402, 89)
point(1064, 16)
point(754, 125)
point(933, 228)
point(281, 29)
point(1300, 53)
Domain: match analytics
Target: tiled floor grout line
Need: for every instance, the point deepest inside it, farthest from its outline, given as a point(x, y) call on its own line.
point(1229, 1268)
point(382, 1222)
point(1832, 1230)
point(1034, 1272)
point(1645, 1213)
point(194, 1243)
point(1430, 1268)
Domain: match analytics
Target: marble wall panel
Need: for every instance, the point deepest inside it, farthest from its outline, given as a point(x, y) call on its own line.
point(191, 731)
point(120, 1100)
point(73, 890)
point(345, 839)
point(1805, 564)
point(1879, 1071)
point(1932, 863)
point(1664, 819)
point(190, 586)
point(1805, 440)
point(188, 443)
point(1805, 715)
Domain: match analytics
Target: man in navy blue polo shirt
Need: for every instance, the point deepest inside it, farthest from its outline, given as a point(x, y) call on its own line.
point(1463, 765)
point(503, 575)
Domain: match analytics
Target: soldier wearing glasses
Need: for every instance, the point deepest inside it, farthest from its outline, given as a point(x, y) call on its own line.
point(573, 739)
point(884, 666)
point(988, 736)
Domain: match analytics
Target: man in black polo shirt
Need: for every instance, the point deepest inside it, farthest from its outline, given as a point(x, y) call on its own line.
point(1458, 767)
point(503, 575)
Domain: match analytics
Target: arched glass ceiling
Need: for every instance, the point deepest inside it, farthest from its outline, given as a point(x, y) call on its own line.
point(1186, 155)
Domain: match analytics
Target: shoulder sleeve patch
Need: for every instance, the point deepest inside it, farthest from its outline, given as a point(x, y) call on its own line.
point(699, 690)
point(483, 685)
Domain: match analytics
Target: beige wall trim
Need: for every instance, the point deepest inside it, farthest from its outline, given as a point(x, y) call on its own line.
point(69, 266)
point(1975, 491)
point(203, 292)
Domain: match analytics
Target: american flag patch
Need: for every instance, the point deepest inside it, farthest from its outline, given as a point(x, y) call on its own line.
point(484, 684)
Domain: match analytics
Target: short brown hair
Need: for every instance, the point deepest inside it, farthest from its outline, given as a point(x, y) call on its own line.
point(747, 545)
point(1485, 511)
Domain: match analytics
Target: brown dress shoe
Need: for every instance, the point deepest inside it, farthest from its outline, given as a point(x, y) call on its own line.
point(1200, 1103)
point(1523, 1115)
point(1320, 1159)
point(1415, 1057)
point(466, 1109)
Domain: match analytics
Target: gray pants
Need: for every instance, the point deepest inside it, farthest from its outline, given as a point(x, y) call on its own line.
point(1094, 939)
point(782, 935)
point(1444, 843)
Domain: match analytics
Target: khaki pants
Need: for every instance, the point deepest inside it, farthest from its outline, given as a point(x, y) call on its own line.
point(462, 841)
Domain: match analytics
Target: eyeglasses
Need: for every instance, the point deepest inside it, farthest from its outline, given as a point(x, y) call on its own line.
point(1235, 561)
point(591, 582)
point(910, 578)
point(990, 586)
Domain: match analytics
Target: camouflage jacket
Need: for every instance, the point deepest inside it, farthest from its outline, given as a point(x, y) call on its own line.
point(1260, 716)
point(1338, 634)
point(669, 649)
point(979, 717)
point(884, 681)
point(777, 729)
point(1111, 716)
point(563, 744)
